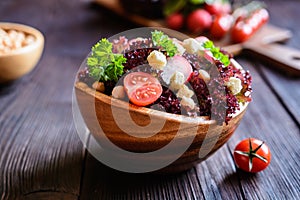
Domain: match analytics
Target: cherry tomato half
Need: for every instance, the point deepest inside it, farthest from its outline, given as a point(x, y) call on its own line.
point(244, 28)
point(264, 14)
point(258, 18)
point(252, 155)
point(221, 25)
point(142, 88)
point(218, 7)
point(241, 32)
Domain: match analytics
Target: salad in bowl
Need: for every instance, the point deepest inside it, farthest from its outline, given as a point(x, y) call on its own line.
point(140, 93)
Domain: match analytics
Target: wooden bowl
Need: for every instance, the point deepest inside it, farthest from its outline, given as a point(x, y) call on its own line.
point(205, 136)
point(21, 61)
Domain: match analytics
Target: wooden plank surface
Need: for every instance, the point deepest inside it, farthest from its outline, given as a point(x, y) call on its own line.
point(286, 88)
point(38, 140)
point(276, 127)
point(41, 156)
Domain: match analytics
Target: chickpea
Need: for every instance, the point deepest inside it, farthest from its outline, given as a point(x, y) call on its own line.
point(99, 86)
point(82, 85)
point(204, 75)
point(118, 92)
point(2, 32)
point(11, 40)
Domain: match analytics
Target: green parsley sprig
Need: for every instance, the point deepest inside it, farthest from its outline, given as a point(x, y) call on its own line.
point(162, 40)
point(209, 45)
point(103, 64)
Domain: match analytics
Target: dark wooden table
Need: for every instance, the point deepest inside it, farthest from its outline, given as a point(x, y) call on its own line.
point(42, 157)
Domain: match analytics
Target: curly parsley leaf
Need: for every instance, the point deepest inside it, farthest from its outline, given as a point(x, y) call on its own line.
point(103, 64)
point(162, 40)
point(209, 45)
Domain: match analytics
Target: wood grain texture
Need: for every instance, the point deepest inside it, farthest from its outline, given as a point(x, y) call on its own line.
point(38, 140)
point(286, 88)
point(198, 183)
point(41, 156)
point(275, 126)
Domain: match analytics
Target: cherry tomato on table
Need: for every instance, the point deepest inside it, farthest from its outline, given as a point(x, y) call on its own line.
point(252, 155)
point(142, 88)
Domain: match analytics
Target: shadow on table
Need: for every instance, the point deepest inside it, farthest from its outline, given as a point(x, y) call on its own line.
point(104, 182)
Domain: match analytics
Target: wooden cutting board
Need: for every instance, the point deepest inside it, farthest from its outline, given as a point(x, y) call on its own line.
point(264, 44)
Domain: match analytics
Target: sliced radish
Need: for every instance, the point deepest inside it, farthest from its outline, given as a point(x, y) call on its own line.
point(202, 39)
point(209, 56)
point(176, 63)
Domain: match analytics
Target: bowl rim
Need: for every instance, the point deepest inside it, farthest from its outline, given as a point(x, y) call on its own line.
point(26, 29)
point(148, 111)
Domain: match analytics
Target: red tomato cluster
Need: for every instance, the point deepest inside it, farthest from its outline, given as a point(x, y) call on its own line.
point(199, 19)
point(217, 19)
